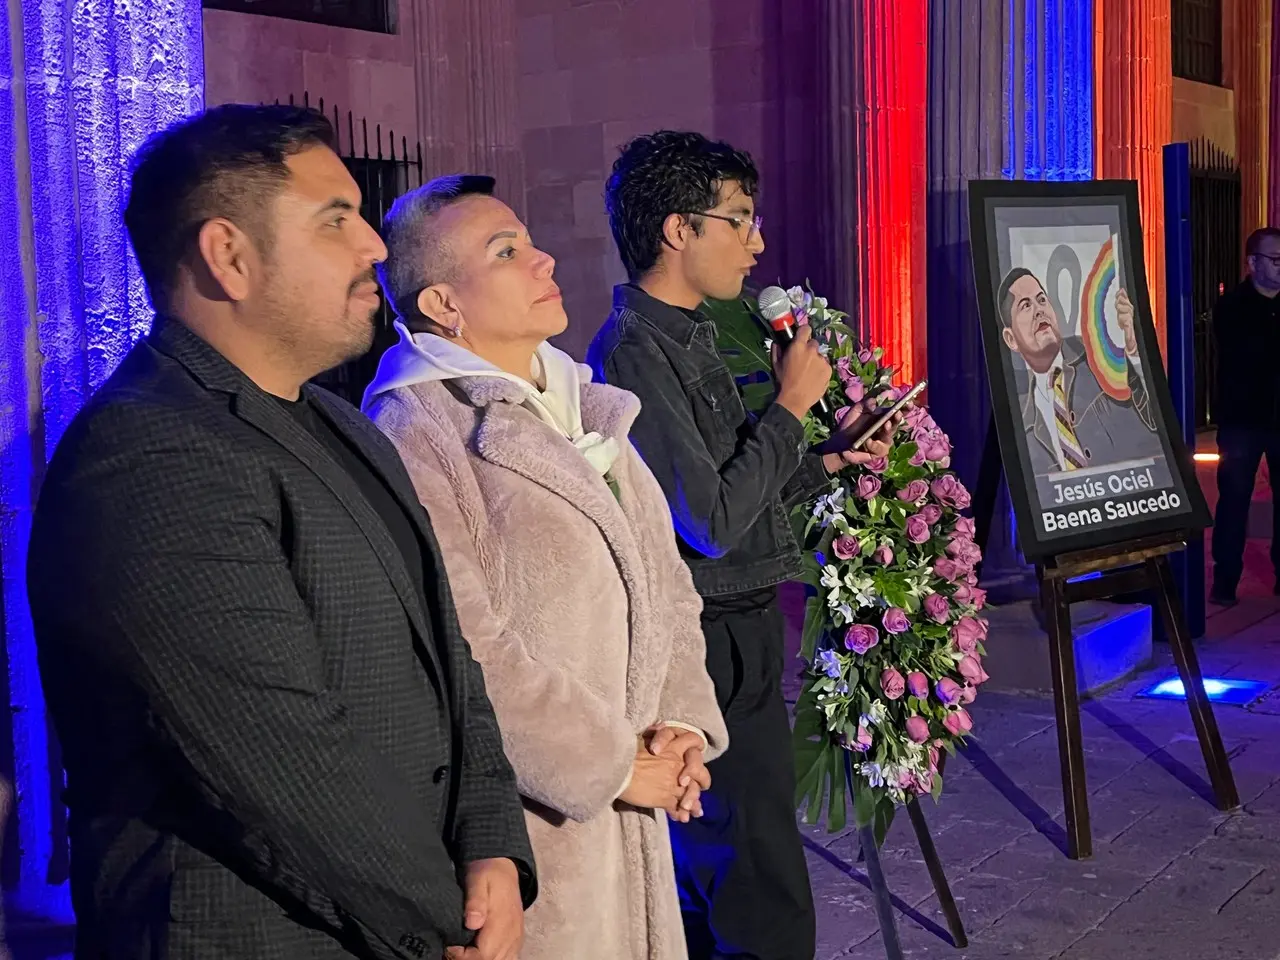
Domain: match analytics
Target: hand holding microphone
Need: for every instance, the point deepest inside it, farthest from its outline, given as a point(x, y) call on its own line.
point(803, 374)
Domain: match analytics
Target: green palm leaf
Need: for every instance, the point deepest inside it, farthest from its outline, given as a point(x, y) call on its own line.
point(740, 340)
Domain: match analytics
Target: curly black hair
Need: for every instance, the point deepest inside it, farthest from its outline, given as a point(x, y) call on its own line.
point(227, 161)
point(664, 173)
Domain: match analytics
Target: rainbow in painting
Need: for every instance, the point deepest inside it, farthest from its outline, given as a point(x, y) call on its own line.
point(1106, 359)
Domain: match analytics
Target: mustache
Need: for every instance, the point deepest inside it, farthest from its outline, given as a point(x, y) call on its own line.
point(369, 276)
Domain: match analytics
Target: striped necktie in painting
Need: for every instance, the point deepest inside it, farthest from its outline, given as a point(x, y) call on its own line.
point(1067, 440)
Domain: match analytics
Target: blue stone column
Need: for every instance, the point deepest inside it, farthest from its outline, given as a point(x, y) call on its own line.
point(1010, 96)
point(82, 84)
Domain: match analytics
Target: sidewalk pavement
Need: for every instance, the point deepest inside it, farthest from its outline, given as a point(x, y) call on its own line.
point(1171, 876)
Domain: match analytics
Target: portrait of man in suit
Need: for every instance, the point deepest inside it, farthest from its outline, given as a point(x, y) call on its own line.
point(1070, 422)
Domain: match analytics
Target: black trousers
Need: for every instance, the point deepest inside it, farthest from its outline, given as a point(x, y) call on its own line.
point(1240, 450)
point(741, 871)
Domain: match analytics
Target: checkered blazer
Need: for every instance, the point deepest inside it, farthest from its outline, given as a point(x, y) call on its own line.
point(272, 748)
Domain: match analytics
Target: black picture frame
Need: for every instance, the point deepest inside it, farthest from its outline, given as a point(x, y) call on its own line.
point(999, 212)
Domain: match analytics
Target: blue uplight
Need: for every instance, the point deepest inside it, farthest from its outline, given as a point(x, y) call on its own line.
point(1049, 91)
point(1231, 692)
point(98, 79)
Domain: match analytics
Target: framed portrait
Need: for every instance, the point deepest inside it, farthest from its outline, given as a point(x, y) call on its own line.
point(1091, 448)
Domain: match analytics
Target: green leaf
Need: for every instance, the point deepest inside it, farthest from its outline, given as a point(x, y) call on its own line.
point(864, 804)
point(936, 792)
point(809, 720)
point(740, 337)
point(756, 397)
point(884, 819)
point(837, 808)
point(812, 764)
point(814, 619)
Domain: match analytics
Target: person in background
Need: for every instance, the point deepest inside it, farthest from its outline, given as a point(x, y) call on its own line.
point(1246, 328)
point(682, 211)
point(277, 744)
point(563, 563)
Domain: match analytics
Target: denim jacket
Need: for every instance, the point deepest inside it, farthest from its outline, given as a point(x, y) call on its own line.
point(729, 478)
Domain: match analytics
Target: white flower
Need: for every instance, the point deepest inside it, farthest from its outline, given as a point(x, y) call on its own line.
point(830, 576)
point(878, 712)
point(873, 773)
point(845, 613)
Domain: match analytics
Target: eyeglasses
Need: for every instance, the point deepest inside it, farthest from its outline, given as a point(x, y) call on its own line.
point(738, 223)
point(1273, 260)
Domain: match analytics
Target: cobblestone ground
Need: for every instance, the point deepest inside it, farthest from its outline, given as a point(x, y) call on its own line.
point(1171, 876)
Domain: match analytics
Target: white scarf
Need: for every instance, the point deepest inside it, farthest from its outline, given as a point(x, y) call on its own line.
point(425, 357)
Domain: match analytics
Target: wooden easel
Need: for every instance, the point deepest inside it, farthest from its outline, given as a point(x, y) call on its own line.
point(880, 894)
point(1125, 567)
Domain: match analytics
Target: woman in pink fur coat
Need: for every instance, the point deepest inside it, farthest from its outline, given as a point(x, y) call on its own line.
point(563, 563)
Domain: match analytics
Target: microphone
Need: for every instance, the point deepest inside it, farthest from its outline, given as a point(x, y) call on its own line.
point(777, 310)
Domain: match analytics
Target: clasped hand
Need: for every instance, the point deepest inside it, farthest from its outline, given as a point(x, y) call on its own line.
point(494, 910)
point(668, 773)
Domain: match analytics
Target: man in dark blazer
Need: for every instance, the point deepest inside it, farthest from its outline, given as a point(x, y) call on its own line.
point(1070, 422)
point(276, 741)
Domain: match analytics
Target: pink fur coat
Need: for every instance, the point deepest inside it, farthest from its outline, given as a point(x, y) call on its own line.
point(585, 620)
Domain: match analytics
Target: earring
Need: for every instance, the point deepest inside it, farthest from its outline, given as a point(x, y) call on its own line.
point(455, 331)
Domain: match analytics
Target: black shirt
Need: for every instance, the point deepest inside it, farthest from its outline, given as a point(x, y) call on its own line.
point(1246, 326)
point(371, 484)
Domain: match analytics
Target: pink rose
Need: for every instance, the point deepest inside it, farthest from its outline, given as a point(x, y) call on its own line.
point(931, 512)
point(868, 486)
point(861, 637)
point(842, 370)
point(854, 389)
point(935, 445)
point(917, 529)
point(934, 754)
point(967, 634)
point(963, 594)
point(971, 669)
point(964, 552)
point(950, 492)
point(948, 690)
point(937, 608)
point(845, 547)
point(864, 356)
point(895, 621)
point(863, 743)
point(958, 723)
point(877, 464)
point(892, 683)
point(914, 492)
point(922, 785)
point(917, 458)
point(947, 569)
point(968, 694)
point(883, 555)
point(842, 413)
point(965, 527)
point(916, 417)
point(979, 597)
point(918, 729)
point(918, 685)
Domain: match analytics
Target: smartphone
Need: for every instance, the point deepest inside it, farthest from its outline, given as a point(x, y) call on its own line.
point(881, 420)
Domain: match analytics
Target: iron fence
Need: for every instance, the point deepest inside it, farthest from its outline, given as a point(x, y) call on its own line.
point(1215, 257)
point(384, 167)
point(377, 16)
